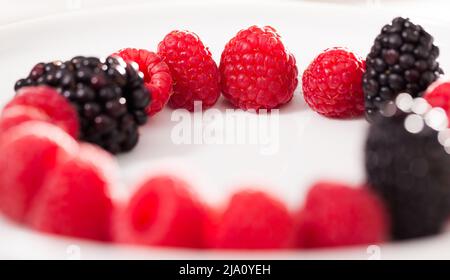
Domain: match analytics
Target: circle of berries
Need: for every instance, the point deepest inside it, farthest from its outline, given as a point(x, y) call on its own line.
point(54, 184)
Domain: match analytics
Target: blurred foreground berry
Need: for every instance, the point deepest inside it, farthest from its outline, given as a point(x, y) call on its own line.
point(42, 103)
point(407, 164)
point(252, 220)
point(75, 200)
point(30, 154)
point(162, 212)
point(338, 215)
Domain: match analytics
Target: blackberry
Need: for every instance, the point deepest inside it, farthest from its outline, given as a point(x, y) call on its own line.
point(109, 95)
point(410, 171)
point(402, 59)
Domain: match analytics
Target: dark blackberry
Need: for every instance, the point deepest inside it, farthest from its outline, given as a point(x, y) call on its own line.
point(410, 171)
point(109, 95)
point(402, 59)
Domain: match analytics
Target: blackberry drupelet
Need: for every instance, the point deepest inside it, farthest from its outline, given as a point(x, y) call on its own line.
point(402, 59)
point(109, 95)
point(410, 172)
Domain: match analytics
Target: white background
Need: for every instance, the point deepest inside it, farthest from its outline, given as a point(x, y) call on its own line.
point(18, 10)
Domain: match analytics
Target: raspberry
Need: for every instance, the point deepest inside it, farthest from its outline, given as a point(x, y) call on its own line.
point(257, 72)
point(338, 215)
point(30, 153)
point(402, 59)
point(16, 115)
point(194, 72)
point(210, 226)
point(157, 76)
point(75, 200)
point(50, 103)
point(438, 95)
point(109, 95)
point(410, 171)
point(163, 212)
point(253, 220)
point(332, 84)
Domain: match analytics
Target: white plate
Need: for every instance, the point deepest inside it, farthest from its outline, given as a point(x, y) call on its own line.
point(310, 147)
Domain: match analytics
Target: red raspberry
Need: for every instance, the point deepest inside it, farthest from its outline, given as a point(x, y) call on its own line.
point(210, 226)
point(338, 215)
point(29, 154)
point(252, 220)
point(75, 200)
point(163, 212)
point(438, 95)
point(194, 72)
point(16, 115)
point(157, 76)
point(51, 103)
point(257, 72)
point(332, 84)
